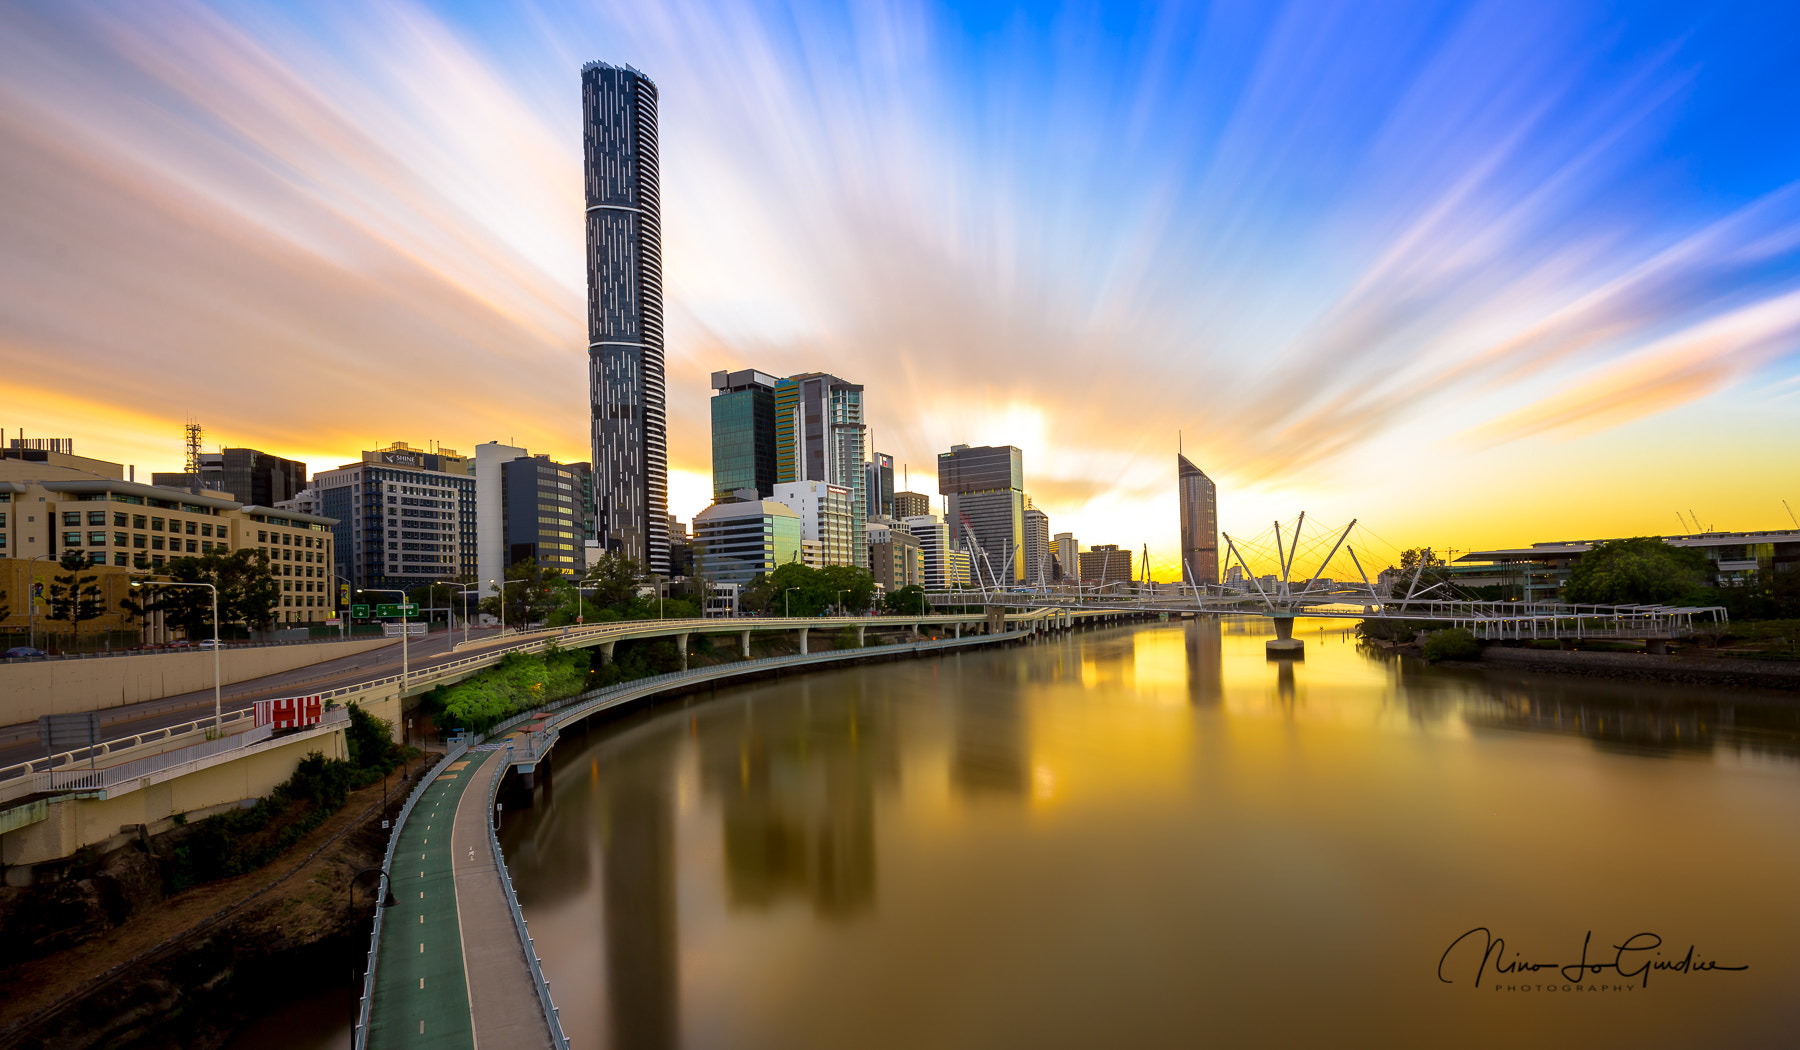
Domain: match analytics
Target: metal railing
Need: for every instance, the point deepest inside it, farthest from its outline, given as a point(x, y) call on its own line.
point(360, 1036)
point(160, 650)
point(96, 752)
point(552, 1017)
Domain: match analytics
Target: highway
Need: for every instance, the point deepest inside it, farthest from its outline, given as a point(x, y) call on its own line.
point(19, 742)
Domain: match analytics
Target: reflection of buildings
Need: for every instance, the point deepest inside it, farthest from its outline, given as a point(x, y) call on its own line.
point(1205, 660)
point(638, 839)
point(989, 755)
point(797, 790)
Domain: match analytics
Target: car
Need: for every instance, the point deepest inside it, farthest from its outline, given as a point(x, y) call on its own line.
point(211, 644)
point(23, 652)
point(181, 643)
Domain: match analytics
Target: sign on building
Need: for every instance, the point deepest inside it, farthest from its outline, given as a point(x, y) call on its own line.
point(290, 712)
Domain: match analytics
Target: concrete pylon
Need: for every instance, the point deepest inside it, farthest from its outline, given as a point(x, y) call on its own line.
point(606, 651)
point(803, 631)
point(1284, 644)
point(744, 643)
point(681, 646)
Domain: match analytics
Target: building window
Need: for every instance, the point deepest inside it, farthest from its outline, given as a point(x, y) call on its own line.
point(96, 539)
point(96, 517)
point(205, 529)
point(71, 517)
point(72, 539)
point(193, 546)
point(139, 542)
point(119, 557)
point(119, 521)
point(156, 524)
point(137, 521)
point(192, 527)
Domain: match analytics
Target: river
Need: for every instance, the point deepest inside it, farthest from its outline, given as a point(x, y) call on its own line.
point(1158, 837)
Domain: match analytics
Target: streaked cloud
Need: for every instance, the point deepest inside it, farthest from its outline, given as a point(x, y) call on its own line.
point(1297, 234)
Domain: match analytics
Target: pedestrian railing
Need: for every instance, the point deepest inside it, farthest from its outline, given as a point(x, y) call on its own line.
point(552, 1017)
point(231, 722)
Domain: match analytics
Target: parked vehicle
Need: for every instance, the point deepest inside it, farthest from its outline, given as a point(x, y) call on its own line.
point(23, 652)
point(209, 644)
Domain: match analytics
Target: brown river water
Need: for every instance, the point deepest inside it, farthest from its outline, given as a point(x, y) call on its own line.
point(1158, 837)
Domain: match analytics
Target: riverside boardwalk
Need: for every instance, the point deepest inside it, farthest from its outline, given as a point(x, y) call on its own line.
point(449, 907)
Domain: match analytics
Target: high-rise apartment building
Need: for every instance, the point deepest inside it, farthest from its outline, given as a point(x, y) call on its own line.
point(984, 496)
point(910, 505)
point(1106, 563)
point(743, 433)
point(1199, 524)
point(893, 556)
point(820, 436)
point(880, 484)
point(1037, 545)
point(405, 517)
point(1068, 555)
point(934, 550)
point(825, 518)
point(625, 314)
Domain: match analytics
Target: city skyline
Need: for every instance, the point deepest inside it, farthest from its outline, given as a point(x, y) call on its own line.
point(1570, 313)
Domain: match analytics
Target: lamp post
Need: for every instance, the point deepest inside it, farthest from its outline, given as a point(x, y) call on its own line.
point(501, 587)
point(218, 706)
point(786, 613)
point(459, 592)
point(842, 611)
point(405, 632)
point(30, 599)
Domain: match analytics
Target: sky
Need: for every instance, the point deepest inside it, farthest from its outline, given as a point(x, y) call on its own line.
point(1470, 274)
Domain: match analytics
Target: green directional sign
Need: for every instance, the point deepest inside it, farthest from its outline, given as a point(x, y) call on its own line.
point(361, 612)
point(396, 610)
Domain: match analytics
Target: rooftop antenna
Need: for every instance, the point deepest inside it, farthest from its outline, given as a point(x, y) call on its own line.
point(1790, 511)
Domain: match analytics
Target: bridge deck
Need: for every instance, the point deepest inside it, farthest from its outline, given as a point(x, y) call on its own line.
point(451, 921)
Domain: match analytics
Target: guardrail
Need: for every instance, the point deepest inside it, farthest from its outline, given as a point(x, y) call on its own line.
point(360, 1036)
point(99, 751)
point(552, 1017)
point(227, 643)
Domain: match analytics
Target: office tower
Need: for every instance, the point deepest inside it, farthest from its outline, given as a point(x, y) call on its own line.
point(249, 476)
point(734, 542)
point(1036, 545)
point(1106, 563)
point(542, 515)
point(1199, 524)
point(934, 550)
point(1068, 555)
point(984, 495)
point(405, 517)
point(625, 315)
point(880, 483)
point(911, 505)
point(743, 433)
point(893, 556)
point(490, 510)
point(825, 517)
point(820, 436)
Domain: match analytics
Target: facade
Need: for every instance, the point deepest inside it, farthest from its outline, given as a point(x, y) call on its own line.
point(1199, 524)
point(1068, 555)
point(879, 482)
point(894, 557)
point(935, 569)
point(306, 501)
point(244, 474)
point(625, 314)
point(491, 458)
point(133, 528)
point(1541, 570)
point(734, 542)
point(910, 505)
point(681, 550)
point(1106, 564)
point(541, 512)
point(984, 505)
point(1038, 554)
point(743, 433)
point(820, 436)
point(402, 520)
point(825, 519)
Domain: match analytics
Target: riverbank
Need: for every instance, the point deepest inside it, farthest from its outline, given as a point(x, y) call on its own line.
point(1693, 670)
point(190, 969)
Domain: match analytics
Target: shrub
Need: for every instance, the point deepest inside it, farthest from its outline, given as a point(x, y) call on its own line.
point(1454, 643)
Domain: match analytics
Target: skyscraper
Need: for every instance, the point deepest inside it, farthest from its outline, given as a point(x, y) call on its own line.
point(1199, 524)
point(743, 433)
point(1036, 543)
point(625, 317)
point(984, 493)
point(820, 436)
point(881, 485)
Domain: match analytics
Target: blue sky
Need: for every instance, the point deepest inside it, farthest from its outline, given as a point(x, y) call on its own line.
point(1329, 243)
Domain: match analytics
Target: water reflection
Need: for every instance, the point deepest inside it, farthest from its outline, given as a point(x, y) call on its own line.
point(1128, 837)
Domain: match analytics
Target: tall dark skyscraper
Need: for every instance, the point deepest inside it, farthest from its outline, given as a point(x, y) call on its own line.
point(984, 493)
point(1199, 523)
point(743, 433)
point(625, 314)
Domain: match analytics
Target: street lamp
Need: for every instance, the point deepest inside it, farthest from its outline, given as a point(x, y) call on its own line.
point(218, 707)
point(842, 611)
point(501, 587)
point(30, 600)
point(459, 592)
point(405, 631)
point(785, 612)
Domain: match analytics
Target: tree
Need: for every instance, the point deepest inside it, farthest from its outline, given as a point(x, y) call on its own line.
point(529, 593)
point(73, 596)
point(248, 592)
point(907, 601)
point(798, 590)
point(1642, 570)
point(614, 578)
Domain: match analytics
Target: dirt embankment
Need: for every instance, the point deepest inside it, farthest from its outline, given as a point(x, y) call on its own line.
point(118, 964)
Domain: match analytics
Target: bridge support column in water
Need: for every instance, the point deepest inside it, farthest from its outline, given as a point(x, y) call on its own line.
point(1284, 643)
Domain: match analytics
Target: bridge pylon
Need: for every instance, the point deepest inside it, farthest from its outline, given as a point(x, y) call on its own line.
point(1284, 646)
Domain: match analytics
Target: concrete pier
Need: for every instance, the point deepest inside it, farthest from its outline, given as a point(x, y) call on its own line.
point(1284, 644)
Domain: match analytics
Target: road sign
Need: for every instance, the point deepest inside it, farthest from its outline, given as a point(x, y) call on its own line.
point(397, 610)
point(360, 612)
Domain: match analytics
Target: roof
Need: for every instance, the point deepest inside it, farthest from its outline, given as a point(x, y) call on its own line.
point(748, 509)
point(100, 486)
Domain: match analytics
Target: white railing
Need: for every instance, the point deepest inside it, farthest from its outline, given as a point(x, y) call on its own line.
point(150, 736)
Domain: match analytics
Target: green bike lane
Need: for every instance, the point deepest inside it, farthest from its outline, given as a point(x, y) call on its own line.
point(421, 994)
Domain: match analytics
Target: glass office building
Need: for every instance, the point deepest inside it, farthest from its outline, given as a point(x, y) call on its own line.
point(984, 495)
point(1199, 524)
point(820, 436)
point(743, 433)
point(625, 315)
point(734, 542)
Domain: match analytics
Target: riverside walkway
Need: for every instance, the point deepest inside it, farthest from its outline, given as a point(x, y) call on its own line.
point(449, 963)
